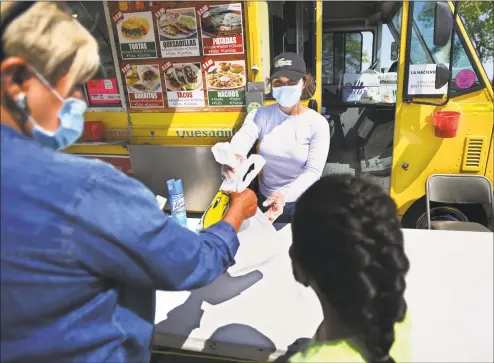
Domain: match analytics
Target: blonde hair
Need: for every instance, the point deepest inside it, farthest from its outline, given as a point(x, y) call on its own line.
point(52, 42)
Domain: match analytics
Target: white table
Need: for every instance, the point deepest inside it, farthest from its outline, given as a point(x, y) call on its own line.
point(258, 315)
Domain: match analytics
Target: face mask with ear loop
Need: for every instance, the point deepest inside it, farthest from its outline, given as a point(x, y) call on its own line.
point(288, 96)
point(70, 115)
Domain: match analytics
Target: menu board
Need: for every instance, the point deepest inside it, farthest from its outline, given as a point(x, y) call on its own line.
point(225, 82)
point(184, 86)
point(222, 29)
point(181, 56)
point(136, 35)
point(143, 85)
point(177, 29)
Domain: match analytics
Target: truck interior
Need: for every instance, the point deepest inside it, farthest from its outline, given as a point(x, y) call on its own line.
point(355, 39)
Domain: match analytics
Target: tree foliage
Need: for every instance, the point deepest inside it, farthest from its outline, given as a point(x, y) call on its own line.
point(478, 18)
point(349, 61)
point(355, 56)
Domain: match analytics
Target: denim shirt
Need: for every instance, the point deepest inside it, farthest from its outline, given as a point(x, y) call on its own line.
point(83, 249)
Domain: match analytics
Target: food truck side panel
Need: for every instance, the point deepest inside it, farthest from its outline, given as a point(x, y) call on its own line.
point(418, 152)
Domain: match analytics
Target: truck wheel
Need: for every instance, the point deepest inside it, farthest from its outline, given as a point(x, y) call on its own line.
point(443, 213)
point(416, 216)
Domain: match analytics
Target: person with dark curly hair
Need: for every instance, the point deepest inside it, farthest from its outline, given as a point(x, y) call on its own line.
point(348, 247)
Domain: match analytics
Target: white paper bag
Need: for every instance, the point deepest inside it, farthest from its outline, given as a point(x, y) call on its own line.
point(224, 155)
point(258, 245)
point(245, 171)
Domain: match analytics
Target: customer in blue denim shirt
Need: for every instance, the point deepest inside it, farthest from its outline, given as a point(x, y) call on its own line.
point(83, 247)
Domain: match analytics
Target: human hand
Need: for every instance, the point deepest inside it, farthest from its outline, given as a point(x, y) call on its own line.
point(275, 202)
point(242, 206)
point(245, 203)
point(227, 171)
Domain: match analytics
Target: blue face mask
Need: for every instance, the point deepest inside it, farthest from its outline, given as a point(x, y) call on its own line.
point(71, 116)
point(288, 96)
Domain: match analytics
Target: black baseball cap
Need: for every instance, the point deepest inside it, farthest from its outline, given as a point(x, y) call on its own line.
point(289, 65)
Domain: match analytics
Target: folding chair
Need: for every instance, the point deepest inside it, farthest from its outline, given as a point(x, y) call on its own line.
point(460, 189)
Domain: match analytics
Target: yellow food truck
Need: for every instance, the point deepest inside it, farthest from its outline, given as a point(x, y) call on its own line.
point(402, 104)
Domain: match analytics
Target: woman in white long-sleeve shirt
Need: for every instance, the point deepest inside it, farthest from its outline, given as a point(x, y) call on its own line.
point(293, 139)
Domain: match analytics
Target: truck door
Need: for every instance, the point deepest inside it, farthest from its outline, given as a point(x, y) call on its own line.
point(419, 150)
point(359, 86)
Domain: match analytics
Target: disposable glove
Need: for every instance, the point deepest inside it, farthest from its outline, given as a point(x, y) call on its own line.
point(276, 203)
point(227, 172)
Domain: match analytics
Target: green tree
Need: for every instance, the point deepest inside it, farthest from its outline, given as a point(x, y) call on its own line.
point(478, 18)
point(354, 55)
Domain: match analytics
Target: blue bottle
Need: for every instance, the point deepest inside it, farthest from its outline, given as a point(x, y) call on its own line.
point(177, 201)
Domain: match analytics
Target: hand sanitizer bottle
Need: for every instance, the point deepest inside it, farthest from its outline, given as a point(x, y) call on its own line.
point(177, 201)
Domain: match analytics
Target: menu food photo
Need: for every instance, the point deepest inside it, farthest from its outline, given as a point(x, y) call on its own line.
point(222, 29)
point(136, 34)
point(225, 82)
point(184, 84)
point(143, 85)
point(177, 29)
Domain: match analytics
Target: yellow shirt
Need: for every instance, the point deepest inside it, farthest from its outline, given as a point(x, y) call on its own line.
point(344, 351)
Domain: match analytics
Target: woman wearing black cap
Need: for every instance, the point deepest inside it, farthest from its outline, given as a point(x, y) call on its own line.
point(293, 139)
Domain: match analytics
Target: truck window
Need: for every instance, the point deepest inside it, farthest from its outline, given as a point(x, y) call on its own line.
point(396, 24)
point(390, 43)
point(423, 52)
point(102, 90)
point(292, 28)
point(345, 52)
point(386, 56)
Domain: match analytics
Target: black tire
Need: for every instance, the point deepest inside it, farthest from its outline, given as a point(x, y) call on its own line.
point(416, 218)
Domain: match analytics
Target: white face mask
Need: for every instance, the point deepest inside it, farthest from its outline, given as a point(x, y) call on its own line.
point(288, 96)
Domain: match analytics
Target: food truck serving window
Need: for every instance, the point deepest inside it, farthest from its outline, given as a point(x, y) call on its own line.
point(181, 56)
point(292, 28)
point(102, 90)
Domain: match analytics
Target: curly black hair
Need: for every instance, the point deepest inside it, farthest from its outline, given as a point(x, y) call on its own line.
point(347, 237)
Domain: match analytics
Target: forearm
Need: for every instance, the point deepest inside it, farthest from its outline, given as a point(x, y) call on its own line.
point(295, 189)
point(169, 257)
point(219, 244)
point(233, 218)
point(195, 260)
point(124, 236)
point(245, 138)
